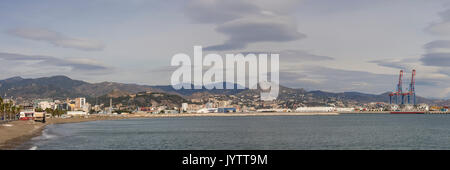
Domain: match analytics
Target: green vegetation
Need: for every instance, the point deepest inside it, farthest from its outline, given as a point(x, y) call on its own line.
point(55, 112)
point(8, 110)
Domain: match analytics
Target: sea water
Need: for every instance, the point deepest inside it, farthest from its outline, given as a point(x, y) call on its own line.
point(345, 131)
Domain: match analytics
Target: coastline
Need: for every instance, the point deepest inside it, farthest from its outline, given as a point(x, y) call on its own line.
point(15, 133)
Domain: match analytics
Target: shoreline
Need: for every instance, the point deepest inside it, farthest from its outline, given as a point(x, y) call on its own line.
point(16, 133)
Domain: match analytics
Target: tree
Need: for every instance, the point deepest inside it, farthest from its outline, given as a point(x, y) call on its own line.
point(11, 110)
point(6, 110)
point(17, 111)
point(2, 108)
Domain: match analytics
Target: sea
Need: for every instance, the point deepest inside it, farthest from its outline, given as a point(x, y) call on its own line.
point(324, 132)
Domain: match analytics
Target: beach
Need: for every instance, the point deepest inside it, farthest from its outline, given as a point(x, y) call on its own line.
point(14, 133)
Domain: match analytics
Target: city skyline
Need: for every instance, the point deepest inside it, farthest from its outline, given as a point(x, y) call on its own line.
point(323, 45)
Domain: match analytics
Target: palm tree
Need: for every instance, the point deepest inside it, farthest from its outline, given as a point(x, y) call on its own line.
point(2, 108)
point(8, 109)
point(17, 111)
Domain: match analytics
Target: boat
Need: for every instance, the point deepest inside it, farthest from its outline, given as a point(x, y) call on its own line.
point(407, 112)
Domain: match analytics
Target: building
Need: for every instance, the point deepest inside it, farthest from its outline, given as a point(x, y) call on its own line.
point(77, 113)
point(171, 111)
point(209, 105)
point(46, 105)
point(341, 109)
point(184, 107)
point(80, 103)
point(37, 102)
point(226, 110)
point(207, 110)
point(315, 109)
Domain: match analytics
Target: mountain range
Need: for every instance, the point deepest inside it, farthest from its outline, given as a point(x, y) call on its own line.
point(62, 87)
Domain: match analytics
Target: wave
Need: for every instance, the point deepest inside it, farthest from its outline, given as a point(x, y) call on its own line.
point(45, 135)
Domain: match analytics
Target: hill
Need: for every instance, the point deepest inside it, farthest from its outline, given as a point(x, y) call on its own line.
point(62, 87)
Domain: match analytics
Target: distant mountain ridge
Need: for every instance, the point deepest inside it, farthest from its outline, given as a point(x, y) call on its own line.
point(196, 89)
point(61, 87)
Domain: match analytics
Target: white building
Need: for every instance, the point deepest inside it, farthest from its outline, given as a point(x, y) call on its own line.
point(341, 109)
point(315, 109)
point(77, 113)
point(184, 106)
point(423, 107)
point(46, 105)
point(207, 110)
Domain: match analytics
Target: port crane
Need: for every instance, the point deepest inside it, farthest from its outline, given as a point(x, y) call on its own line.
point(411, 94)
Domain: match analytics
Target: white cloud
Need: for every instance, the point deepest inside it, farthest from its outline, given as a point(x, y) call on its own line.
point(57, 39)
point(83, 65)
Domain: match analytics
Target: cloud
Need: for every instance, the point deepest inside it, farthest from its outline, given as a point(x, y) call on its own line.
point(218, 11)
point(438, 53)
point(247, 30)
point(75, 64)
point(442, 27)
point(438, 46)
point(341, 80)
point(402, 64)
point(245, 22)
point(295, 56)
point(445, 71)
point(57, 39)
point(336, 80)
point(436, 59)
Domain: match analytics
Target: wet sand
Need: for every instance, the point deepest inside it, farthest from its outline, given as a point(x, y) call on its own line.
point(15, 133)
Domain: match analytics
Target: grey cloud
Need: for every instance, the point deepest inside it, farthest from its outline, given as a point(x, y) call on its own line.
point(244, 22)
point(442, 27)
point(218, 11)
point(57, 39)
point(404, 64)
point(254, 29)
point(76, 64)
point(436, 59)
point(298, 55)
point(437, 45)
point(295, 56)
point(336, 80)
point(226, 46)
point(445, 71)
point(427, 82)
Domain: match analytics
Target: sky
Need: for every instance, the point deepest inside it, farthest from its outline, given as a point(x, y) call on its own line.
point(336, 46)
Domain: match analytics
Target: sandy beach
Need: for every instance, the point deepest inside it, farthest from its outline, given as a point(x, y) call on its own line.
point(14, 133)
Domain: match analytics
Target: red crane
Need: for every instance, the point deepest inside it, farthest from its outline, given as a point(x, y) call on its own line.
point(412, 90)
point(399, 92)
